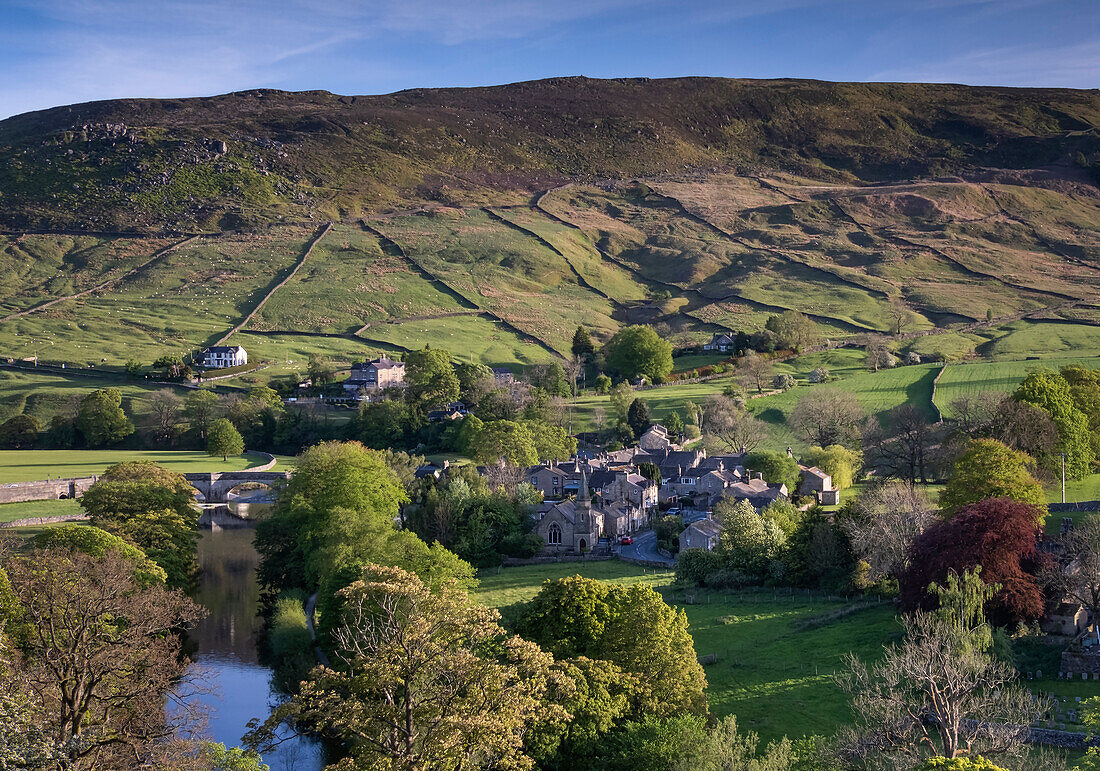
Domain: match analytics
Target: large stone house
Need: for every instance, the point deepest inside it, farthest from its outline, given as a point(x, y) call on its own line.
point(223, 356)
point(368, 376)
point(573, 526)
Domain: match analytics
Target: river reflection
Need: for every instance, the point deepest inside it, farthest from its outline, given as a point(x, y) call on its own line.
point(226, 649)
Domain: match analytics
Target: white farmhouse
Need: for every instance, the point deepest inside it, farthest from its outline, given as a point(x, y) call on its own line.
point(222, 356)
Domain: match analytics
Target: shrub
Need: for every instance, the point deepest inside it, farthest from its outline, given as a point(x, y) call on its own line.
point(784, 381)
point(820, 375)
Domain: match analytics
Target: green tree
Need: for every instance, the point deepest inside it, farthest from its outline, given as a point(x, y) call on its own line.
point(551, 442)
point(636, 351)
point(551, 378)
point(98, 543)
point(101, 654)
point(341, 501)
point(152, 507)
point(792, 330)
point(650, 744)
point(596, 696)
point(582, 343)
point(637, 416)
point(603, 384)
point(101, 419)
point(133, 369)
point(725, 748)
point(201, 408)
point(621, 397)
point(630, 626)
point(172, 366)
point(675, 424)
point(472, 376)
point(223, 439)
point(750, 544)
point(431, 378)
point(384, 424)
point(836, 460)
point(1051, 392)
point(777, 467)
point(990, 469)
point(216, 757)
point(430, 680)
point(320, 370)
point(1084, 387)
point(19, 432)
point(505, 439)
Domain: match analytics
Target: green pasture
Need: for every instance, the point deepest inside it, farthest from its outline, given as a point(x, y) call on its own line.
point(691, 361)
point(9, 512)
point(30, 465)
point(602, 274)
point(1045, 340)
point(348, 281)
point(775, 678)
point(185, 300)
point(1002, 376)
point(44, 393)
point(468, 338)
point(501, 269)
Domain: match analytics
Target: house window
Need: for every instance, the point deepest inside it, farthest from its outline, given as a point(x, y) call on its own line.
point(553, 534)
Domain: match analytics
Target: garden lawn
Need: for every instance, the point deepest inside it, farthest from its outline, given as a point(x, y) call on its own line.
point(776, 679)
point(9, 512)
point(30, 465)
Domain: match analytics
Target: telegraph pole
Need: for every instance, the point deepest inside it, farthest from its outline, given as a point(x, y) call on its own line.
point(1063, 478)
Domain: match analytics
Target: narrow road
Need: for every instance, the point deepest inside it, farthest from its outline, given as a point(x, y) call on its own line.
point(645, 548)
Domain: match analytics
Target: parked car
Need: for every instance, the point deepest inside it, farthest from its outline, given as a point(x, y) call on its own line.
point(626, 540)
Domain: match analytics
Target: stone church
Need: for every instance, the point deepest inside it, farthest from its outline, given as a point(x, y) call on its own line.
point(571, 527)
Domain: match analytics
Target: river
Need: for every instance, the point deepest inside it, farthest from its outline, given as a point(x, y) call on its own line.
point(226, 649)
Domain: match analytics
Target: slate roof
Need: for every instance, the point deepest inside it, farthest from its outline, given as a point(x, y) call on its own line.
point(707, 527)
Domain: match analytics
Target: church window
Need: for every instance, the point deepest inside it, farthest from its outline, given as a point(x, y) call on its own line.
point(553, 535)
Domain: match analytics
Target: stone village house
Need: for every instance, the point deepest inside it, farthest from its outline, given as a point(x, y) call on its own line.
point(370, 376)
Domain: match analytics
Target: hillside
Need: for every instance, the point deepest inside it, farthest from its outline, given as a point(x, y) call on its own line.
point(257, 156)
point(494, 220)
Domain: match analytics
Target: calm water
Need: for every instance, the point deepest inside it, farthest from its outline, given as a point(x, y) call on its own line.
point(226, 651)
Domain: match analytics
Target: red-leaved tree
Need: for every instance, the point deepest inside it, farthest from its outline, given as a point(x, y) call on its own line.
point(1000, 535)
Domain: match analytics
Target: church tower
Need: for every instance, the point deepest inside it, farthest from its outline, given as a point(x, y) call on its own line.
point(585, 532)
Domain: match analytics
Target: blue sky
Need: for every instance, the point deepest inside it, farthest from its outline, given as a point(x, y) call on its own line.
point(55, 52)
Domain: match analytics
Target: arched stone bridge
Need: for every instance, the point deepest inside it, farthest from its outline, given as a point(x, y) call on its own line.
point(215, 487)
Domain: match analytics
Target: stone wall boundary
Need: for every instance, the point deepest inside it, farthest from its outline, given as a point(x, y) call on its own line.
point(33, 521)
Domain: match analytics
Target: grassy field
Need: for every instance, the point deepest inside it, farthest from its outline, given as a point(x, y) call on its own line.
point(27, 509)
point(1002, 376)
point(29, 465)
point(776, 679)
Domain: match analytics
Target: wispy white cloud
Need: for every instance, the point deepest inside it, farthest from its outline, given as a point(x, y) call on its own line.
point(64, 51)
point(1067, 66)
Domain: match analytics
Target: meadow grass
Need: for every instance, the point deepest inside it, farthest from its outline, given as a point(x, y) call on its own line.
point(9, 512)
point(185, 300)
point(468, 338)
point(348, 281)
point(776, 679)
point(1000, 376)
point(30, 465)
